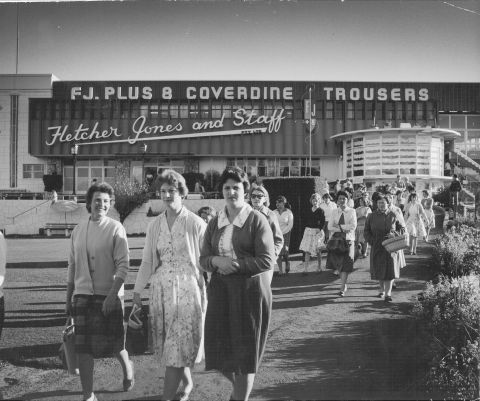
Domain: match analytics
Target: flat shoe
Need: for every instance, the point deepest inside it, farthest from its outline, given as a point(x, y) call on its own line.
point(129, 383)
point(341, 294)
point(381, 295)
point(388, 298)
point(183, 396)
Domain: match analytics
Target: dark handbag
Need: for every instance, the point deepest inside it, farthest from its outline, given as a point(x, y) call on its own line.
point(136, 341)
point(67, 352)
point(337, 243)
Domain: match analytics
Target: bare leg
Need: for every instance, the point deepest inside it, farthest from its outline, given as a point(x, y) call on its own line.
point(428, 234)
point(279, 263)
point(173, 376)
point(85, 366)
point(388, 287)
point(187, 380)
point(319, 260)
point(124, 360)
point(382, 287)
point(414, 245)
point(343, 281)
point(243, 386)
point(306, 263)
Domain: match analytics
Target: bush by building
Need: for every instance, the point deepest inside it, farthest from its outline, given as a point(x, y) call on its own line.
point(457, 252)
point(129, 194)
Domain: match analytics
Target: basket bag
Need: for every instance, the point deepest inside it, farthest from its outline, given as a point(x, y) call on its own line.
point(396, 243)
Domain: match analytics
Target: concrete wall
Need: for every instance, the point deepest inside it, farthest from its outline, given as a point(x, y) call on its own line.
point(26, 217)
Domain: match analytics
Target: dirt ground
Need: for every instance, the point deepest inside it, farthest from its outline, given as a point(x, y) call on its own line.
point(320, 346)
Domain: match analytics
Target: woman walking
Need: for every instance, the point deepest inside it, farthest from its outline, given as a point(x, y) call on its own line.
point(260, 200)
point(427, 204)
point(328, 206)
point(343, 225)
point(285, 220)
point(178, 299)
point(97, 266)
point(313, 240)
point(362, 211)
point(414, 214)
point(240, 253)
point(382, 224)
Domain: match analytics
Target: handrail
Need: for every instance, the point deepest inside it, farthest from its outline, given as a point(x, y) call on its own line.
point(25, 211)
point(467, 158)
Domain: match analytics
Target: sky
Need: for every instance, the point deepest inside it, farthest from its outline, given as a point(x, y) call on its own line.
point(350, 40)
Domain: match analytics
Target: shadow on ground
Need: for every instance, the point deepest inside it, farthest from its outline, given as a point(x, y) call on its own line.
point(374, 359)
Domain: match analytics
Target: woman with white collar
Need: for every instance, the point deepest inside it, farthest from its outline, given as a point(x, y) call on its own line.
point(239, 251)
point(343, 223)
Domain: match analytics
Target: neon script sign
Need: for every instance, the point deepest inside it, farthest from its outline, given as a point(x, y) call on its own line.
point(248, 122)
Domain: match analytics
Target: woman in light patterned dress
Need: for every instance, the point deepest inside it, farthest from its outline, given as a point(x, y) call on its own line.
point(427, 203)
point(363, 210)
point(178, 299)
point(413, 217)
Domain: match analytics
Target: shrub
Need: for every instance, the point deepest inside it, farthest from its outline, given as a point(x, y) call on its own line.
point(212, 178)
point(450, 310)
point(457, 252)
point(129, 194)
point(192, 178)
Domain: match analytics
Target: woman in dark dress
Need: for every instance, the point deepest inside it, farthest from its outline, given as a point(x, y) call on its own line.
point(313, 237)
point(383, 223)
point(343, 223)
point(239, 251)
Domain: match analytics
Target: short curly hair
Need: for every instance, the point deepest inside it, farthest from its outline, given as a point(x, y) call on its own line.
point(236, 174)
point(97, 187)
point(346, 194)
point(171, 177)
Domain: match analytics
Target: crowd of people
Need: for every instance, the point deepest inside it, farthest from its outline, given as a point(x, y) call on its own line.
point(233, 254)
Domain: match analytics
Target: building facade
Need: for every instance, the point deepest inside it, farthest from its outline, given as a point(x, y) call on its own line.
point(269, 128)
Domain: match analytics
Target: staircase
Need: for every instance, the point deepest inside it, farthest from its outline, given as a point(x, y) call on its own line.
point(462, 160)
point(471, 173)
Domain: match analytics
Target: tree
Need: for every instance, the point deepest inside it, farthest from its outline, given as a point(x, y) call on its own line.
point(129, 194)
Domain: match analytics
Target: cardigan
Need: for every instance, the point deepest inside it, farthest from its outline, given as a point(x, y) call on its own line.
point(253, 245)
point(194, 230)
point(110, 258)
point(350, 217)
point(315, 219)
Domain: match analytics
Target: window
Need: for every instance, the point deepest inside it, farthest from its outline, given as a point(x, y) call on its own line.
point(33, 170)
point(350, 111)
point(359, 111)
point(329, 110)
point(339, 106)
point(216, 110)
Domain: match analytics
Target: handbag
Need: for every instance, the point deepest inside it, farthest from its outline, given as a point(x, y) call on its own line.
point(337, 243)
point(67, 351)
point(137, 341)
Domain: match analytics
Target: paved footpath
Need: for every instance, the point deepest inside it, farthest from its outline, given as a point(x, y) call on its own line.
point(320, 346)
